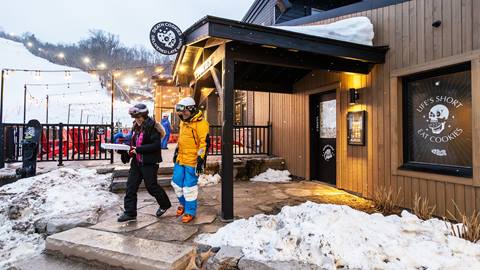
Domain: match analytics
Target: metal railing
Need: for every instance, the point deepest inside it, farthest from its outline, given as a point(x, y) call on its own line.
point(247, 140)
point(60, 142)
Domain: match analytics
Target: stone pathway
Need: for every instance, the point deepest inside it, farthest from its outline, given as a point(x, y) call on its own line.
point(250, 198)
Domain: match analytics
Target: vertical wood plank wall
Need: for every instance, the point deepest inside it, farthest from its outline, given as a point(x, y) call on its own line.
point(407, 29)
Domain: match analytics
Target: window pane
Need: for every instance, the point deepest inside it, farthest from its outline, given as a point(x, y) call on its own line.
point(438, 127)
point(328, 119)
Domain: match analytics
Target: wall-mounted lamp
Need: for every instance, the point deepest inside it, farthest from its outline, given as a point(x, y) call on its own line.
point(354, 96)
point(437, 23)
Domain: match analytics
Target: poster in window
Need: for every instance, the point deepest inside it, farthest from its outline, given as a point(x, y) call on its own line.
point(438, 122)
point(356, 128)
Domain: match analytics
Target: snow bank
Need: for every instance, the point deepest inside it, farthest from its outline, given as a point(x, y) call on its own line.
point(59, 198)
point(208, 180)
point(357, 30)
point(14, 55)
point(332, 236)
point(272, 176)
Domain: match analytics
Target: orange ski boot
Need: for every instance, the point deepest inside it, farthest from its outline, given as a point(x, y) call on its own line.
point(187, 218)
point(180, 211)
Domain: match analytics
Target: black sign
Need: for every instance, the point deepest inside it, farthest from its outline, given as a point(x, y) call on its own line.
point(166, 38)
point(439, 118)
point(356, 128)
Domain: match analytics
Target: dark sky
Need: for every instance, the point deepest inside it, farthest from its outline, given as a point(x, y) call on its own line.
point(67, 21)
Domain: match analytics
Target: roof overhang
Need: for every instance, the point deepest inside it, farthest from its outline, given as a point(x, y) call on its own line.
point(272, 47)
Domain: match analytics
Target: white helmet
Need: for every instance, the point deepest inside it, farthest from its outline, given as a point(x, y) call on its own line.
point(165, 114)
point(187, 101)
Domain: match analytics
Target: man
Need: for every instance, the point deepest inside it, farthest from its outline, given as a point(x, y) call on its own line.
point(168, 128)
point(189, 157)
point(145, 154)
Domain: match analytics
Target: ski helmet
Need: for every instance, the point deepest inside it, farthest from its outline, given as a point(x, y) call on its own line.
point(139, 109)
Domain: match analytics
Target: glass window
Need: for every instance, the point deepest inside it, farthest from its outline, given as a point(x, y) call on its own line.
point(438, 121)
point(328, 119)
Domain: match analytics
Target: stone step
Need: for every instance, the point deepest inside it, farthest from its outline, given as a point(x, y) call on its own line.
point(122, 171)
point(119, 184)
point(117, 250)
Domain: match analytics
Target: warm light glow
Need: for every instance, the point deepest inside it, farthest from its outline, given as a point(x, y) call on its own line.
point(30, 44)
point(61, 55)
point(86, 60)
point(169, 90)
point(139, 72)
point(117, 74)
point(144, 79)
point(169, 81)
point(355, 81)
point(129, 81)
point(183, 68)
point(158, 69)
point(102, 66)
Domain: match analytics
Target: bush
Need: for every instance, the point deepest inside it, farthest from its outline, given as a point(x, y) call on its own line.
point(422, 209)
point(469, 229)
point(385, 201)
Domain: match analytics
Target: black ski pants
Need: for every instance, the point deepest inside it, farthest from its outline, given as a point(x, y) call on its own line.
point(147, 172)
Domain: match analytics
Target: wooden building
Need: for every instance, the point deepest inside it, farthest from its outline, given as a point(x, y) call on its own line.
point(417, 92)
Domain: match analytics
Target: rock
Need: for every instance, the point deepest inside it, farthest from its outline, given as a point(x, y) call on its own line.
point(245, 264)
point(21, 226)
point(226, 258)
point(40, 226)
point(14, 212)
point(63, 223)
point(105, 170)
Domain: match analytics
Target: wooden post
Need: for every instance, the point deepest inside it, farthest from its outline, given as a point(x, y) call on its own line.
point(228, 66)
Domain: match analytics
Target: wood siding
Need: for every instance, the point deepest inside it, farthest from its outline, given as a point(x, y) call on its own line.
point(407, 29)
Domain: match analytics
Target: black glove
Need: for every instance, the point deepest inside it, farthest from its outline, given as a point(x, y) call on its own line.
point(125, 157)
point(200, 165)
point(175, 155)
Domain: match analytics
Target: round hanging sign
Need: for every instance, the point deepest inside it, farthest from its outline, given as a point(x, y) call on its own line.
point(166, 38)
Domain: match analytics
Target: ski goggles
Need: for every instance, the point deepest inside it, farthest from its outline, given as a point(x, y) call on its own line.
point(134, 111)
point(181, 108)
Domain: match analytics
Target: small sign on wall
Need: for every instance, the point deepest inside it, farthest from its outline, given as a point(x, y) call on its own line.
point(356, 128)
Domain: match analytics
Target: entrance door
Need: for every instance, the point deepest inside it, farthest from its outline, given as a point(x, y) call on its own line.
point(323, 137)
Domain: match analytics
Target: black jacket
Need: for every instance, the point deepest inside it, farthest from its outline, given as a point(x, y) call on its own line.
point(150, 149)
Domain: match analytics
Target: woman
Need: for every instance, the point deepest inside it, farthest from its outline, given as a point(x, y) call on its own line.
point(145, 153)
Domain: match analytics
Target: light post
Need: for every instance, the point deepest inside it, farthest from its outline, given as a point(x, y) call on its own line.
point(2, 153)
point(24, 103)
point(46, 115)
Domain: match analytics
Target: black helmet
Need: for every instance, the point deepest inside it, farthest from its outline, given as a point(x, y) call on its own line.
point(139, 109)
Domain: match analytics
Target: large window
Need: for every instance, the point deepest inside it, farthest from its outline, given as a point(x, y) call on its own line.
point(438, 121)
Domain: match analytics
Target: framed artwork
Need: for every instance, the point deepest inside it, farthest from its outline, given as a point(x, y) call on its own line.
point(356, 128)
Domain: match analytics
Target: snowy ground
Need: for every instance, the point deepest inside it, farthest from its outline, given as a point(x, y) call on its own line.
point(14, 55)
point(273, 176)
point(334, 236)
point(47, 203)
point(208, 180)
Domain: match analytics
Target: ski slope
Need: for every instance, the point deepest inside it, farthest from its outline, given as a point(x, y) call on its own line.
point(14, 55)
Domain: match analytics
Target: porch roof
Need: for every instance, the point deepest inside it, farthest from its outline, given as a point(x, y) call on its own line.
point(271, 52)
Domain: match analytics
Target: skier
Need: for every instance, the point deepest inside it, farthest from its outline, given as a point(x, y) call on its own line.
point(189, 157)
point(146, 154)
point(168, 128)
point(118, 137)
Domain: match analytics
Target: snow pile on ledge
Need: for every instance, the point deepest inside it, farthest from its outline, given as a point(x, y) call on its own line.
point(334, 236)
point(357, 30)
point(208, 180)
point(51, 201)
point(273, 176)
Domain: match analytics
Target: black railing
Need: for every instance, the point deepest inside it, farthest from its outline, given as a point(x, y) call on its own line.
point(247, 140)
point(60, 142)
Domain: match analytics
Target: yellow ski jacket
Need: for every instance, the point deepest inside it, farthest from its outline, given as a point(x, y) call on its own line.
point(192, 140)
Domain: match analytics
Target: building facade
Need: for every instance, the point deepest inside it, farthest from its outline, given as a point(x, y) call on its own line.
point(421, 107)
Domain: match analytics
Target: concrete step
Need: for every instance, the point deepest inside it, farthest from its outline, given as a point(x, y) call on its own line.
point(122, 171)
point(119, 184)
point(117, 250)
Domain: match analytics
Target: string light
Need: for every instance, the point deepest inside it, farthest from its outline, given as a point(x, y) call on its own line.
point(61, 55)
point(86, 60)
point(29, 44)
point(139, 72)
point(158, 69)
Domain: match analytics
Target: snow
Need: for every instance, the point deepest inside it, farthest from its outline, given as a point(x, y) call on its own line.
point(332, 236)
point(357, 30)
point(14, 55)
point(61, 197)
point(273, 176)
point(208, 180)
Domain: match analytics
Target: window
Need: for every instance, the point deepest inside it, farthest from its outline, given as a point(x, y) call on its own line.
point(437, 128)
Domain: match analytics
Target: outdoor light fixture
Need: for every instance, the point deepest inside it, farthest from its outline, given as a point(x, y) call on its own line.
point(354, 96)
point(437, 23)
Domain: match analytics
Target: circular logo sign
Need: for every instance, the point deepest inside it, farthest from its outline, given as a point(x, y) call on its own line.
point(328, 152)
point(166, 38)
point(101, 131)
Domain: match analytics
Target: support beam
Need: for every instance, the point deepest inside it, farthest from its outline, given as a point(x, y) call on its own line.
point(228, 78)
point(216, 79)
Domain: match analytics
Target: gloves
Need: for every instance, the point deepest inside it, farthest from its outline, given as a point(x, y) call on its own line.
point(200, 165)
point(125, 157)
point(175, 155)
